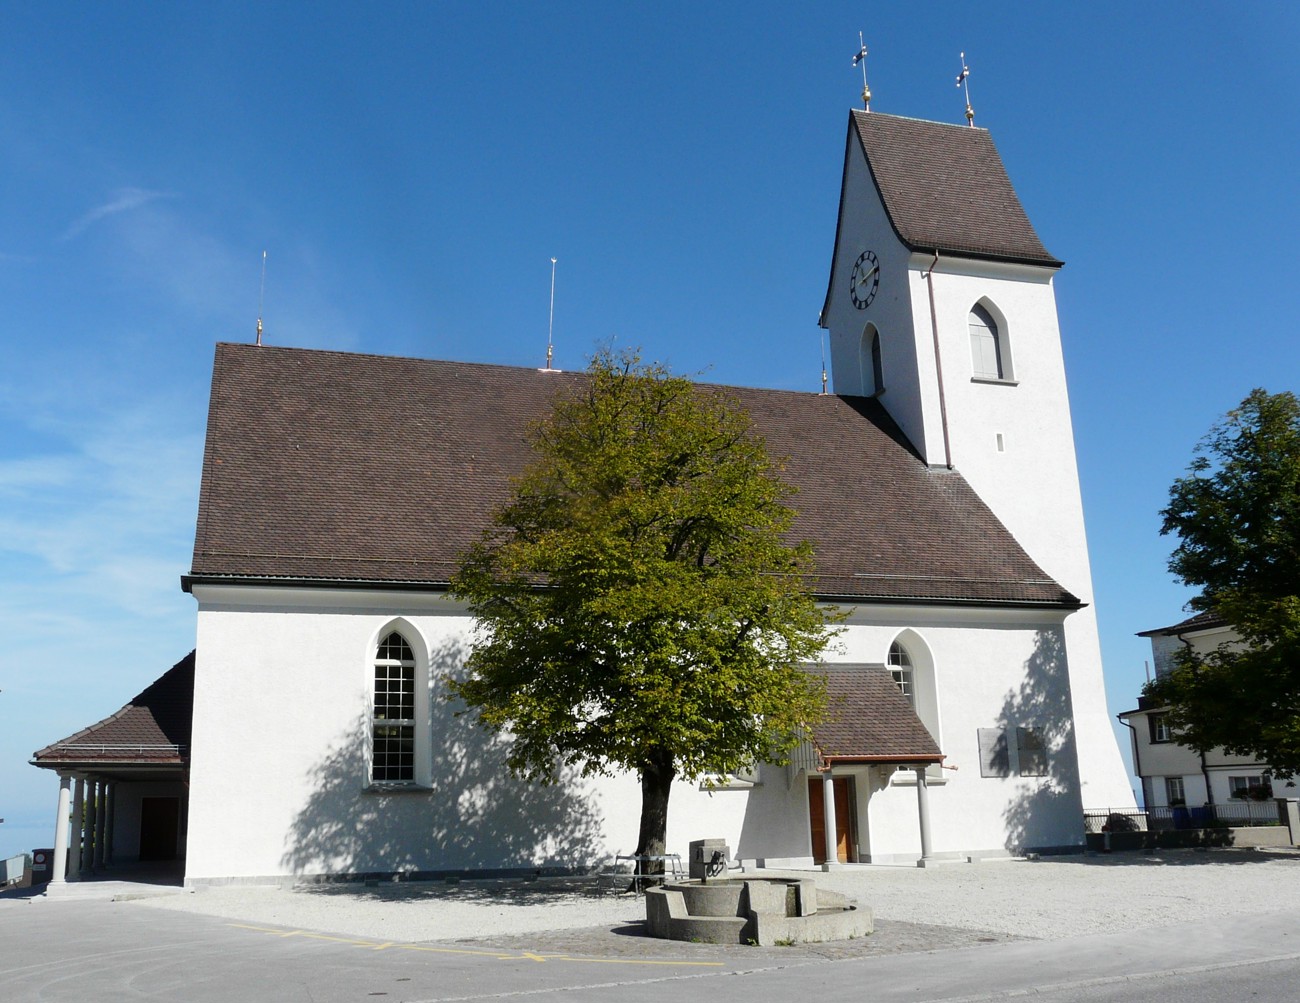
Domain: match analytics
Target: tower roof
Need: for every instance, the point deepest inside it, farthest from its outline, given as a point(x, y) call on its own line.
point(945, 189)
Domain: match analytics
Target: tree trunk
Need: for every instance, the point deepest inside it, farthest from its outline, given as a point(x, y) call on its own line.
point(657, 774)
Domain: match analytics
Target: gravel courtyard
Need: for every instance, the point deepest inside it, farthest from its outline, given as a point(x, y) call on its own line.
point(915, 909)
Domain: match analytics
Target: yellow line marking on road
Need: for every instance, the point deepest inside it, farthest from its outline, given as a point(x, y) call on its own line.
point(374, 945)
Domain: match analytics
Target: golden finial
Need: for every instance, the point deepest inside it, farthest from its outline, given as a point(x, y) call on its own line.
point(962, 81)
point(861, 59)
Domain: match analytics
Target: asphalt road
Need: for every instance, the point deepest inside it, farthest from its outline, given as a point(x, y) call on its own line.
point(115, 951)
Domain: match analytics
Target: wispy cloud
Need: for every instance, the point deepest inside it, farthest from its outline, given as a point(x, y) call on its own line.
point(123, 200)
point(96, 525)
point(106, 509)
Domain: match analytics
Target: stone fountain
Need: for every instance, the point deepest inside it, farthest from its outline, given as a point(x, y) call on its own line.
point(753, 910)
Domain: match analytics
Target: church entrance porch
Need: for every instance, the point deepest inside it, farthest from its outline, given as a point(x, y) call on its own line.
point(124, 782)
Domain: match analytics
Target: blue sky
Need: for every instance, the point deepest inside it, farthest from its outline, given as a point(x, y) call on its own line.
point(410, 169)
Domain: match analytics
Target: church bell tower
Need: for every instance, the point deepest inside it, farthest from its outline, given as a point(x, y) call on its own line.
point(941, 305)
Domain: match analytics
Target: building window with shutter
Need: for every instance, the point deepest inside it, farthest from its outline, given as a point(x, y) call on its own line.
point(987, 348)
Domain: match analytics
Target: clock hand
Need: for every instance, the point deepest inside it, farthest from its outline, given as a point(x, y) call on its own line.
point(866, 275)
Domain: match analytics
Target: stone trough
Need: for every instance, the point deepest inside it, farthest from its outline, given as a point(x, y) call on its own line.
point(762, 911)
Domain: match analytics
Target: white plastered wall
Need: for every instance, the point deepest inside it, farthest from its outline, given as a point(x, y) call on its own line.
point(991, 669)
point(279, 770)
point(1014, 443)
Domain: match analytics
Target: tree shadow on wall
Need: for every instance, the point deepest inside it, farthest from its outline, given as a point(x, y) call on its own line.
point(476, 817)
point(1046, 809)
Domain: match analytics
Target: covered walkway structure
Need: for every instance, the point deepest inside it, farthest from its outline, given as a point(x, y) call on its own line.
point(123, 784)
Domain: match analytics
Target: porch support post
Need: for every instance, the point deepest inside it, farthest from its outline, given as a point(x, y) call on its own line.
point(59, 865)
point(101, 823)
point(88, 836)
point(109, 822)
point(828, 812)
point(923, 814)
point(78, 809)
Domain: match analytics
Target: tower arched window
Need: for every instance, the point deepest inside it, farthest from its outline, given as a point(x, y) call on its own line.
point(987, 346)
point(870, 364)
point(393, 714)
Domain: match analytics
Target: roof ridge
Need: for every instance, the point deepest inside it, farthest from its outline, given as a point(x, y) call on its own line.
point(924, 121)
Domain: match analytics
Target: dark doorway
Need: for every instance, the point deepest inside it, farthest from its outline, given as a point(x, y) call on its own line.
point(159, 828)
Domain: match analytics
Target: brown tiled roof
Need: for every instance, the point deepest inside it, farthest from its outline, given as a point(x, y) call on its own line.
point(945, 188)
point(368, 469)
point(153, 729)
point(869, 720)
point(1201, 621)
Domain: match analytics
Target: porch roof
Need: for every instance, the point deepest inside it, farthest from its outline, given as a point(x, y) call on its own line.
point(869, 720)
point(150, 735)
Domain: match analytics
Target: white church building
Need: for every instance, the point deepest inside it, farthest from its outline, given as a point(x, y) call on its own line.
point(937, 483)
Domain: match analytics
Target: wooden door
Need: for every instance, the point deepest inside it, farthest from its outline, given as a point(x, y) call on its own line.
point(845, 843)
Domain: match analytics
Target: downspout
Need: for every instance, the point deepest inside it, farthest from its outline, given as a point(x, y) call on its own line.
point(1205, 769)
point(1137, 758)
point(938, 365)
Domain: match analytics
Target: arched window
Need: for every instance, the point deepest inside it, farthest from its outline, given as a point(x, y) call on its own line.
point(393, 714)
point(986, 345)
point(900, 667)
point(869, 362)
point(911, 663)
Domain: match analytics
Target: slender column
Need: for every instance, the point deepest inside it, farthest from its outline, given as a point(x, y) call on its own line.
point(110, 823)
point(59, 865)
point(101, 823)
point(828, 811)
point(88, 837)
point(78, 810)
point(923, 813)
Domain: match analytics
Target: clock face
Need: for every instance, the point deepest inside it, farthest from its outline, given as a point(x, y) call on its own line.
point(865, 280)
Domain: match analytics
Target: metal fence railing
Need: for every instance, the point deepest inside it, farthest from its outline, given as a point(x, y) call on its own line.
point(12, 869)
point(1210, 816)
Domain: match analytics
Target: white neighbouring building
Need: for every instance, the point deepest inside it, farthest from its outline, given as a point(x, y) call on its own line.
point(1174, 775)
point(937, 483)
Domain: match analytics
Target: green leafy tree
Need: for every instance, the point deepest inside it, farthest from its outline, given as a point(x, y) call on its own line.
point(1237, 516)
point(638, 606)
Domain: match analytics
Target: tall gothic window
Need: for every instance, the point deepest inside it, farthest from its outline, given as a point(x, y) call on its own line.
point(986, 347)
point(393, 715)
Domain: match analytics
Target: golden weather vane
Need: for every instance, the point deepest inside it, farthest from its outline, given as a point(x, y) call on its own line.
point(963, 81)
point(860, 59)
